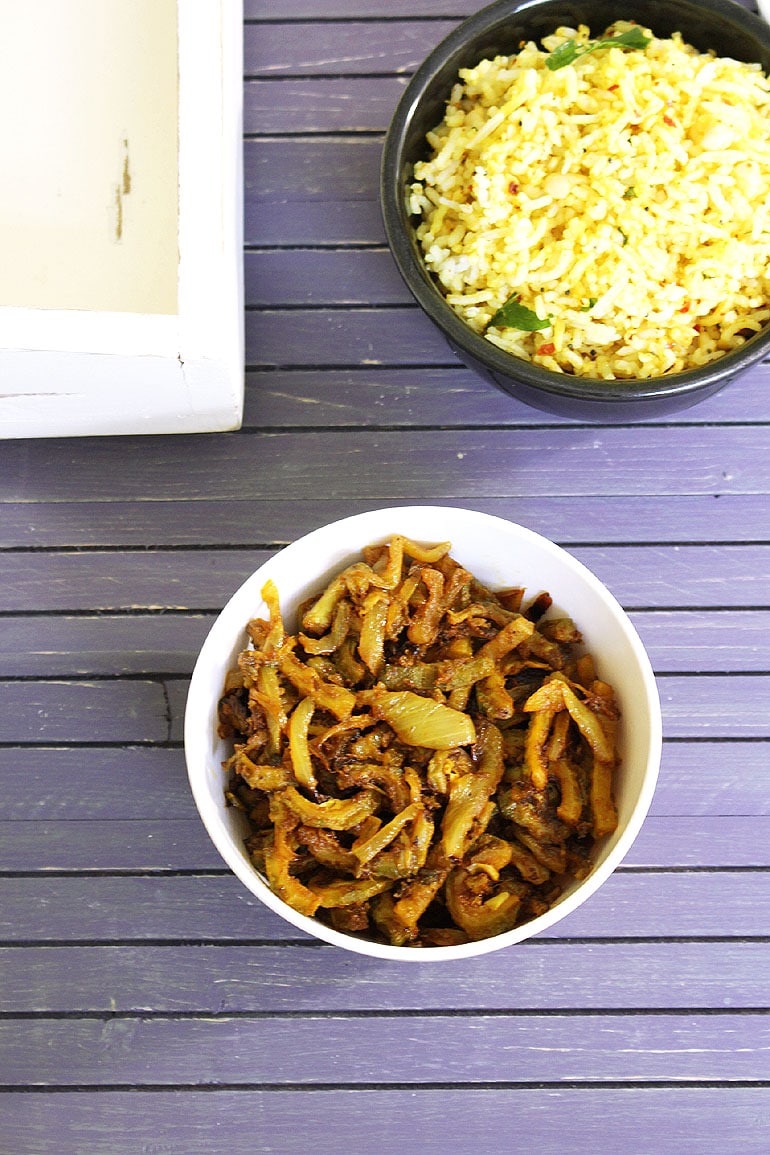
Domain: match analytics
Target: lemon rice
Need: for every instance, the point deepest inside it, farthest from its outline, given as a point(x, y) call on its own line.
point(623, 200)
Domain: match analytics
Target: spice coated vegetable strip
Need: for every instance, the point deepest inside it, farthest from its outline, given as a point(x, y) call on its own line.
point(301, 762)
point(422, 762)
point(385, 835)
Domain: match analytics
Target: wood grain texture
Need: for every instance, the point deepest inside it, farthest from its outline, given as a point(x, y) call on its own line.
point(294, 277)
point(403, 465)
point(297, 193)
point(332, 337)
point(114, 644)
point(108, 783)
point(146, 710)
point(275, 520)
point(84, 711)
point(111, 645)
point(148, 1002)
point(340, 47)
point(539, 975)
point(397, 11)
point(130, 812)
point(671, 579)
point(156, 845)
point(373, 395)
point(218, 908)
point(701, 778)
point(386, 1050)
point(319, 104)
point(669, 1120)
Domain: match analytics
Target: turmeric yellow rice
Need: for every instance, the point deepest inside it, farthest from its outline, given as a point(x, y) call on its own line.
point(620, 204)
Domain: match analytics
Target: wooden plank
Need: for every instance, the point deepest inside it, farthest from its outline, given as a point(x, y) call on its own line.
point(340, 47)
point(706, 777)
point(157, 844)
point(684, 575)
point(218, 908)
point(401, 335)
point(697, 779)
point(333, 337)
point(711, 642)
point(369, 277)
point(320, 103)
point(277, 218)
point(307, 171)
point(295, 193)
point(296, 277)
point(400, 465)
point(275, 521)
point(348, 1049)
point(171, 843)
point(363, 278)
point(70, 711)
point(136, 908)
point(72, 646)
point(373, 395)
point(713, 706)
point(670, 579)
point(736, 842)
point(537, 975)
point(201, 580)
point(453, 1121)
point(397, 10)
point(707, 706)
point(93, 782)
point(340, 9)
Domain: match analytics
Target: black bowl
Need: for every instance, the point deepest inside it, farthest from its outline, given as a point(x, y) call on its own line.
point(721, 25)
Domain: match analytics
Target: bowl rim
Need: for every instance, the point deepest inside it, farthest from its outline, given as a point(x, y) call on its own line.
point(403, 245)
point(228, 631)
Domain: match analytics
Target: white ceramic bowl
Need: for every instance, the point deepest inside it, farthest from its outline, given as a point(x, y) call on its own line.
point(500, 554)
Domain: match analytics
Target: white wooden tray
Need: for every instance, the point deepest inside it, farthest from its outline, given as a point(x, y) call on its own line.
point(121, 284)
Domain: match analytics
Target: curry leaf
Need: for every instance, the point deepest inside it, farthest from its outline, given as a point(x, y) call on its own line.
point(570, 50)
point(513, 315)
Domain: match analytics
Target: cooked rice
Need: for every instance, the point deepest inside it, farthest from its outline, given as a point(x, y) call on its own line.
point(625, 197)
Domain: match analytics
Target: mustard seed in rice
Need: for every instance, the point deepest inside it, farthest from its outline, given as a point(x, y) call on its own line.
point(624, 199)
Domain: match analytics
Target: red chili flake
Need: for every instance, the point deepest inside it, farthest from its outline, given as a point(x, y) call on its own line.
point(513, 188)
point(613, 88)
point(685, 307)
point(697, 328)
point(547, 349)
point(669, 121)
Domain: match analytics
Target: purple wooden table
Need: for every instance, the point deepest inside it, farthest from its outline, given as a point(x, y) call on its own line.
point(148, 1004)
